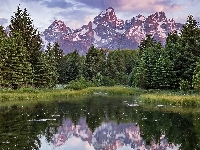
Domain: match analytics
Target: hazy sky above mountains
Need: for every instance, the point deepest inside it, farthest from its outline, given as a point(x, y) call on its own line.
point(75, 13)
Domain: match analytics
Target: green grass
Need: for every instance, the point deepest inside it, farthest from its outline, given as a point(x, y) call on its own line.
point(28, 96)
point(34, 95)
point(171, 98)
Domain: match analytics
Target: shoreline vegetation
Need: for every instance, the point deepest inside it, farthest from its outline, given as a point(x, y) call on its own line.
point(30, 95)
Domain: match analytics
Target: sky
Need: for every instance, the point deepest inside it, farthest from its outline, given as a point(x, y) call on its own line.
point(75, 13)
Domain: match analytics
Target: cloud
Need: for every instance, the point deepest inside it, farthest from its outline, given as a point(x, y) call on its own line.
point(75, 18)
point(197, 19)
point(145, 6)
point(3, 21)
point(57, 3)
point(100, 4)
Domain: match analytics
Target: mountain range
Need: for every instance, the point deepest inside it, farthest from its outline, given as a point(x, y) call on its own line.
point(109, 32)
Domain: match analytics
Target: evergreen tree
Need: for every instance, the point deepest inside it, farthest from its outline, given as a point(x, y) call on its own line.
point(139, 75)
point(173, 50)
point(16, 70)
point(131, 60)
point(71, 67)
point(196, 77)
point(116, 69)
point(22, 23)
point(190, 43)
point(163, 75)
point(45, 75)
point(94, 63)
point(146, 43)
point(58, 58)
point(149, 52)
point(3, 53)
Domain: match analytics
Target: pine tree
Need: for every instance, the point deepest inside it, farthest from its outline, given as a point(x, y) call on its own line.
point(190, 43)
point(44, 72)
point(22, 23)
point(196, 77)
point(3, 53)
point(71, 68)
point(173, 50)
point(140, 75)
point(149, 53)
point(16, 70)
point(94, 63)
point(58, 58)
point(116, 67)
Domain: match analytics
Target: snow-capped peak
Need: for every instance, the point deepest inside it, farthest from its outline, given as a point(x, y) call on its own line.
point(108, 11)
point(140, 17)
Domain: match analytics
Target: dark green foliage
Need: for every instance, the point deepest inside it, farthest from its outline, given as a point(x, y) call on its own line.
point(57, 56)
point(116, 69)
point(3, 54)
point(22, 23)
point(190, 44)
point(46, 69)
point(196, 77)
point(173, 51)
point(45, 75)
point(79, 84)
point(71, 67)
point(146, 73)
point(16, 71)
point(94, 63)
point(146, 43)
point(139, 75)
point(131, 59)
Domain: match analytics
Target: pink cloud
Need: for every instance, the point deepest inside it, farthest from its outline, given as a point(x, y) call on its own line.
point(148, 6)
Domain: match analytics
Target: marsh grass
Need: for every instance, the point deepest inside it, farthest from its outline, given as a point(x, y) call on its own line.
point(34, 95)
point(31, 95)
point(172, 99)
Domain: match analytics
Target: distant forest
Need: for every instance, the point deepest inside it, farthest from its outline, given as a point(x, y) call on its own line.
point(23, 64)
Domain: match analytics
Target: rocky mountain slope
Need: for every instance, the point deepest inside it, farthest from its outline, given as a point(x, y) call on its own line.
point(109, 32)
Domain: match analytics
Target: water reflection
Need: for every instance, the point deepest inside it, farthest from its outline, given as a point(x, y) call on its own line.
point(108, 136)
point(99, 123)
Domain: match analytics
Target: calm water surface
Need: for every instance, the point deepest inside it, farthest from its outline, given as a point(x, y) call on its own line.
point(99, 123)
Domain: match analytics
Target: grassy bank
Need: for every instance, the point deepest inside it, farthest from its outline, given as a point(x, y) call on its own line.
point(33, 95)
point(172, 99)
point(161, 97)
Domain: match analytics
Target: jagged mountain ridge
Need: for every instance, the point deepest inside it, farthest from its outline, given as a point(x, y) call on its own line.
point(109, 32)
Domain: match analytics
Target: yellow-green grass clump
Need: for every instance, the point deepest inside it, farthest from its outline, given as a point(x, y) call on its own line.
point(183, 100)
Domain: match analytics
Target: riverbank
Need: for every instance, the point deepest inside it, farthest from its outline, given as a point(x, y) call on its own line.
point(152, 96)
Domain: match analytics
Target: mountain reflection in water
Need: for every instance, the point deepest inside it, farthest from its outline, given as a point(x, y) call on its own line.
point(98, 123)
point(108, 136)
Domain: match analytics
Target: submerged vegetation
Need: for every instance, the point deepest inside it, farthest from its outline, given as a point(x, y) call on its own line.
point(28, 73)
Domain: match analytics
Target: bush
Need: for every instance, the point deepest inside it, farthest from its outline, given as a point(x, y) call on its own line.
point(79, 84)
point(184, 85)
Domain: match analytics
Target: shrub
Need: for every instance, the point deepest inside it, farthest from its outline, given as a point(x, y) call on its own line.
point(79, 84)
point(184, 85)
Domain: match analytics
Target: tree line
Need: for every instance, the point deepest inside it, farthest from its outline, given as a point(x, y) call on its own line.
point(151, 66)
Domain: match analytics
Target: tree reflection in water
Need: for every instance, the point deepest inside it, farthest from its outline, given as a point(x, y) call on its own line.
point(97, 123)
